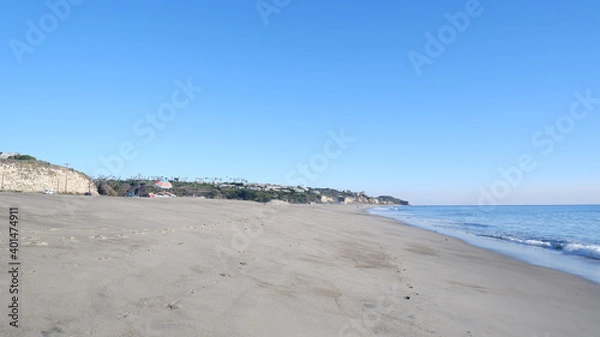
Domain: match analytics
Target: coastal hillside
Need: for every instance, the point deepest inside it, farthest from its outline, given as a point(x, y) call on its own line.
point(241, 190)
point(26, 174)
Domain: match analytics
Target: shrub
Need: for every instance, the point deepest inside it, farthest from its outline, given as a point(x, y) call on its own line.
point(22, 157)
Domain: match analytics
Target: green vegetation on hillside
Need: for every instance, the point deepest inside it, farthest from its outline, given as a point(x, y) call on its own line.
point(238, 191)
point(22, 157)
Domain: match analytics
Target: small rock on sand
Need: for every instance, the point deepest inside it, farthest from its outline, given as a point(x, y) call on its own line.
point(174, 305)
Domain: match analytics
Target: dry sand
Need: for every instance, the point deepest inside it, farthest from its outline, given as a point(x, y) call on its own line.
point(198, 267)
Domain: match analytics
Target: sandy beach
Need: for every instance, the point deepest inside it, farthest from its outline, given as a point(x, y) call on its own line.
point(100, 266)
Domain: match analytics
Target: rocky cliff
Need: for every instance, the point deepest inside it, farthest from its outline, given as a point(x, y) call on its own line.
point(37, 176)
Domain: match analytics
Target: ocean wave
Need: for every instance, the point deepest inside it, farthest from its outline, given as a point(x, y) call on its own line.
point(587, 250)
point(472, 224)
point(382, 209)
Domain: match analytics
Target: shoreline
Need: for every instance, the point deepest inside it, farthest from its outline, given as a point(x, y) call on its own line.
point(530, 255)
point(202, 267)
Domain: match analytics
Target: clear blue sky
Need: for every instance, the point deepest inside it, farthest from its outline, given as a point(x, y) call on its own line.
point(272, 92)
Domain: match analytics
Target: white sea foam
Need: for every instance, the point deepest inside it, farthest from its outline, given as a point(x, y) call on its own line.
point(591, 251)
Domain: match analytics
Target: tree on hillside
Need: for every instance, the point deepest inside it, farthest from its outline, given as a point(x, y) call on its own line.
point(22, 157)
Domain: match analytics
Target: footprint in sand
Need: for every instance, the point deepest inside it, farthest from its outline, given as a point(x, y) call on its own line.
point(55, 331)
point(166, 230)
point(99, 237)
point(71, 265)
point(36, 243)
point(175, 305)
point(33, 241)
point(69, 239)
point(124, 315)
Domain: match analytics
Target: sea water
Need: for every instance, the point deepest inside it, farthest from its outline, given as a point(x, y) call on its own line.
point(566, 238)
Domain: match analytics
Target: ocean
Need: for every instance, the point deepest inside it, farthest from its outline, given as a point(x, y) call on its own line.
point(566, 238)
